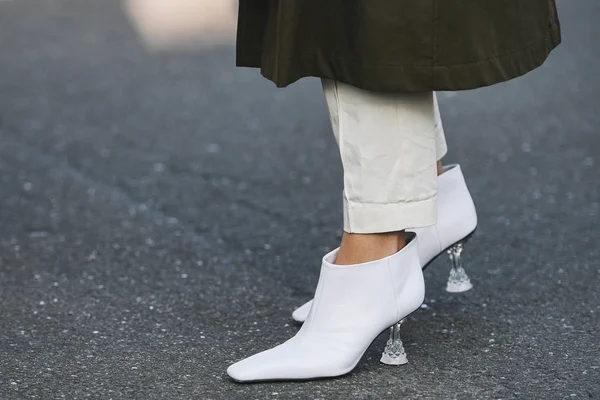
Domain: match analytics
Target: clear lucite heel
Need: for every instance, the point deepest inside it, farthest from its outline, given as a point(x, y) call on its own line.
point(394, 353)
point(458, 281)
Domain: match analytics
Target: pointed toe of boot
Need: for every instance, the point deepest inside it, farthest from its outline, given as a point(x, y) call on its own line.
point(293, 360)
point(300, 314)
point(242, 371)
point(273, 364)
point(259, 367)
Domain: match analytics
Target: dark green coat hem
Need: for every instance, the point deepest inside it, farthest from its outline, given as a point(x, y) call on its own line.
point(400, 77)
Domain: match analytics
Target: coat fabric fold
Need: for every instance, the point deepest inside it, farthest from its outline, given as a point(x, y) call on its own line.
point(397, 45)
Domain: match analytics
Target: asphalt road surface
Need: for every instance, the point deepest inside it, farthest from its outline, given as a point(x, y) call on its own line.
point(161, 215)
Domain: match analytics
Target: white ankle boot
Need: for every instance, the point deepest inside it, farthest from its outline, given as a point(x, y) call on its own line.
point(353, 304)
point(457, 220)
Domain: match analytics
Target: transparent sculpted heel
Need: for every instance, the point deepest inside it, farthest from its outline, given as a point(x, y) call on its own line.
point(394, 353)
point(458, 281)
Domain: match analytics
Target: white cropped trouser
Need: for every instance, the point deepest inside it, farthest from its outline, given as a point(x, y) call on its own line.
point(389, 144)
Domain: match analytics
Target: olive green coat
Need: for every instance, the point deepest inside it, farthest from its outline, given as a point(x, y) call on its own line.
point(393, 45)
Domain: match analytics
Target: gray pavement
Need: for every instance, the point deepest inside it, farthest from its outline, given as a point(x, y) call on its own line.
point(162, 214)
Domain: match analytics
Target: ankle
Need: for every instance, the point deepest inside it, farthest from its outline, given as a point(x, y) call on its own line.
point(362, 248)
point(440, 168)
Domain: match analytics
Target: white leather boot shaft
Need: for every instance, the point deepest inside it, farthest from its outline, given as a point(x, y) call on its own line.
point(353, 305)
point(457, 218)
